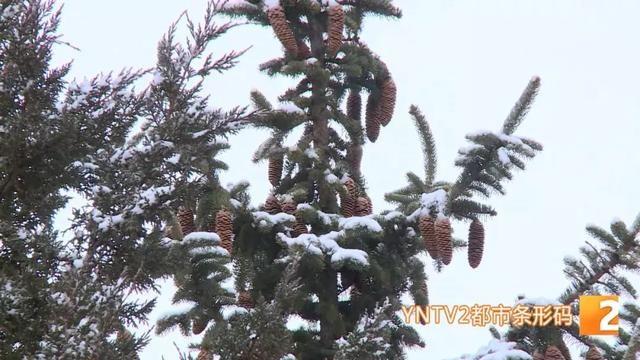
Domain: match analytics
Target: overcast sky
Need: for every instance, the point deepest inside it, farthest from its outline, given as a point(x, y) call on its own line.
point(464, 63)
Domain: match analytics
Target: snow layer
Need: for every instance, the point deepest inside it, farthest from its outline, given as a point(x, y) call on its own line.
point(200, 235)
point(326, 244)
point(180, 308)
point(503, 156)
point(355, 222)
point(228, 311)
point(270, 4)
point(290, 107)
point(279, 218)
point(497, 350)
point(537, 301)
point(214, 250)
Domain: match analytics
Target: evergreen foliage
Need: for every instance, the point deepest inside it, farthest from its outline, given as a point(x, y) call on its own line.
point(142, 149)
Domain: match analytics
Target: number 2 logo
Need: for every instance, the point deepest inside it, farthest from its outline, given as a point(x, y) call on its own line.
point(599, 315)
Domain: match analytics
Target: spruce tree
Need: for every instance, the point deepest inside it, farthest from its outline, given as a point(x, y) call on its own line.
point(352, 265)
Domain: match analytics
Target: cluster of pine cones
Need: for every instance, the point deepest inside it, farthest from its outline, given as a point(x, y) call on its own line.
point(553, 353)
point(287, 206)
point(379, 109)
point(221, 223)
point(335, 26)
point(354, 202)
point(436, 234)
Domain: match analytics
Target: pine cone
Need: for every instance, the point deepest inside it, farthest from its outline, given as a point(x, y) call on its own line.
point(289, 206)
point(354, 105)
point(185, 218)
point(387, 101)
point(593, 354)
point(334, 30)
point(476, 243)
point(204, 355)
point(369, 205)
point(278, 21)
point(245, 300)
point(428, 233)
point(538, 356)
point(363, 206)
point(352, 186)
point(553, 353)
point(275, 169)
point(224, 225)
point(170, 232)
point(272, 205)
point(354, 156)
point(124, 335)
point(372, 121)
point(347, 205)
point(199, 325)
point(443, 238)
point(299, 227)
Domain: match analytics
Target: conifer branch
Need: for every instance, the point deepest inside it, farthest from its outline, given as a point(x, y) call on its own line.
point(522, 106)
point(428, 145)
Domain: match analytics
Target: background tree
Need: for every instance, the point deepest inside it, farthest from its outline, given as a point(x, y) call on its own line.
point(131, 155)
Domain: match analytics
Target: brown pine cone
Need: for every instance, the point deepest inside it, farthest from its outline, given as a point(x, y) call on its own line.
point(204, 355)
point(538, 356)
point(185, 218)
point(354, 105)
point(170, 232)
point(354, 156)
point(352, 187)
point(347, 205)
point(363, 206)
point(428, 233)
point(369, 205)
point(272, 205)
point(289, 206)
point(443, 237)
point(553, 353)
point(372, 118)
point(224, 226)
point(245, 300)
point(278, 21)
point(199, 325)
point(475, 246)
point(593, 354)
point(334, 30)
point(124, 335)
point(387, 101)
point(275, 169)
point(299, 227)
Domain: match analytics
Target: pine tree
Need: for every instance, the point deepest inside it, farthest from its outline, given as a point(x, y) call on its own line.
point(353, 260)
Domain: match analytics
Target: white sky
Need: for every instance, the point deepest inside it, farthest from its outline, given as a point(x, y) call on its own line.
point(464, 63)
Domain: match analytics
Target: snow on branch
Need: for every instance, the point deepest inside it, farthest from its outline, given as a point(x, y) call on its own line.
point(326, 244)
point(264, 219)
point(201, 235)
point(360, 222)
point(497, 350)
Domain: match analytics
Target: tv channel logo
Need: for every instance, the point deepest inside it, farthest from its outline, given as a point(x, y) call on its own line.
point(599, 315)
